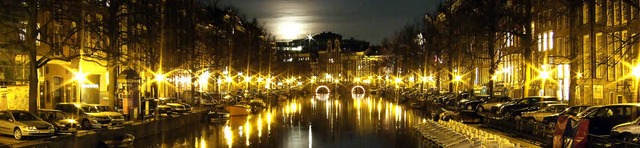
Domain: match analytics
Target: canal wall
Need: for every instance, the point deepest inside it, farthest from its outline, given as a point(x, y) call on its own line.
point(137, 129)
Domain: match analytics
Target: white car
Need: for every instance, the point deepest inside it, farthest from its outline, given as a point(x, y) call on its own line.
point(22, 123)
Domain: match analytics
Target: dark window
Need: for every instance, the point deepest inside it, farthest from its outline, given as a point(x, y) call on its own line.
point(3, 116)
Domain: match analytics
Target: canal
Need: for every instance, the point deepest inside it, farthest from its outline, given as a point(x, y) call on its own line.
point(305, 121)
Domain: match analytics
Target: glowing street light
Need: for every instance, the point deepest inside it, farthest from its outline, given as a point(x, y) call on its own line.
point(80, 77)
point(636, 71)
point(458, 78)
point(398, 80)
point(544, 75)
point(160, 77)
point(424, 79)
point(247, 79)
point(204, 77)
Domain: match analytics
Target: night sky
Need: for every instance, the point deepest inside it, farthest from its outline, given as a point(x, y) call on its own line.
point(370, 20)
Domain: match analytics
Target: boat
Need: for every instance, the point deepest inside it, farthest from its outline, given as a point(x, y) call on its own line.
point(257, 105)
point(238, 110)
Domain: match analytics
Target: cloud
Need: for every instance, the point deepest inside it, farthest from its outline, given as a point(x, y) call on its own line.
point(371, 20)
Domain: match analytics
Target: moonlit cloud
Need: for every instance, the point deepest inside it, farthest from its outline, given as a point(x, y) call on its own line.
point(371, 20)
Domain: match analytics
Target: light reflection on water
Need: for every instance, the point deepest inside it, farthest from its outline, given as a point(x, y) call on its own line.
point(342, 122)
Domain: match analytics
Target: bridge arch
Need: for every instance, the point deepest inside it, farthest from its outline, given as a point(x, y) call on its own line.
point(358, 90)
point(324, 89)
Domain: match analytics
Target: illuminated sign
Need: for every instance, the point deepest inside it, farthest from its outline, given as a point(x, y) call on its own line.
point(90, 86)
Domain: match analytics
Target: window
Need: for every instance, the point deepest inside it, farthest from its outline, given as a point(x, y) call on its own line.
point(616, 12)
point(38, 36)
point(585, 13)
point(586, 56)
point(598, 11)
point(609, 13)
point(625, 13)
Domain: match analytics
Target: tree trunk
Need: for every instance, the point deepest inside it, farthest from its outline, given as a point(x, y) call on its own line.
point(33, 82)
point(493, 64)
point(574, 63)
point(527, 43)
point(113, 84)
point(30, 44)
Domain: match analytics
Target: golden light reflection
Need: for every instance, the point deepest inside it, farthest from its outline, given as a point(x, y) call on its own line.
point(259, 126)
point(228, 135)
point(203, 143)
point(247, 132)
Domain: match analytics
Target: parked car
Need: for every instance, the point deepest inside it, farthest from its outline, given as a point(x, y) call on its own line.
point(529, 102)
point(603, 118)
point(486, 103)
point(538, 116)
point(629, 131)
point(88, 116)
point(517, 114)
point(495, 108)
point(116, 117)
point(22, 123)
point(474, 102)
point(571, 111)
point(61, 121)
point(177, 105)
point(462, 99)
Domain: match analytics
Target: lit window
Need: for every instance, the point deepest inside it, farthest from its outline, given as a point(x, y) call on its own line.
point(38, 36)
point(550, 40)
point(539, 42)
point(545, 41)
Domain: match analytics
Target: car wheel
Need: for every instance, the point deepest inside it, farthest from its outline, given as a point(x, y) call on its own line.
point(17, 133)
point(552, 126)
point(626, 137)
point(86, 124)
point(517, 117)
point(480, 109)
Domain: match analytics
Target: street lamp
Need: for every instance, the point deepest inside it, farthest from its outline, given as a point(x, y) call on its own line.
point(457, 79)
point(247, 79)
point(160, 78)
point(80, 78)
point(204, 80)
point(544, 75)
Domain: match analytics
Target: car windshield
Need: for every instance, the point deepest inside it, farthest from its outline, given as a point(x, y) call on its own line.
point(586, 111)
point(60, 116)
point(173, 101)
point(24, 116)
point(90, 109)
point(104, 108)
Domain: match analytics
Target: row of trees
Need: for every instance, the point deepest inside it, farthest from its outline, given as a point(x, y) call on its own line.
point(462, 34)
point(459, 35)
point(140, 34)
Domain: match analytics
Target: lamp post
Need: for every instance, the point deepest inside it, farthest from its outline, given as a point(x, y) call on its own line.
point(457, 80)
point(544, 75)
point(80, 78)
point(160, 78)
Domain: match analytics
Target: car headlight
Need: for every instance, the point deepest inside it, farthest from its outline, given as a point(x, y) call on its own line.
point(30, 127)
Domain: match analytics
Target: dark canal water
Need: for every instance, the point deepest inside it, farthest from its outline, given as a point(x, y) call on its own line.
point(349, 121)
